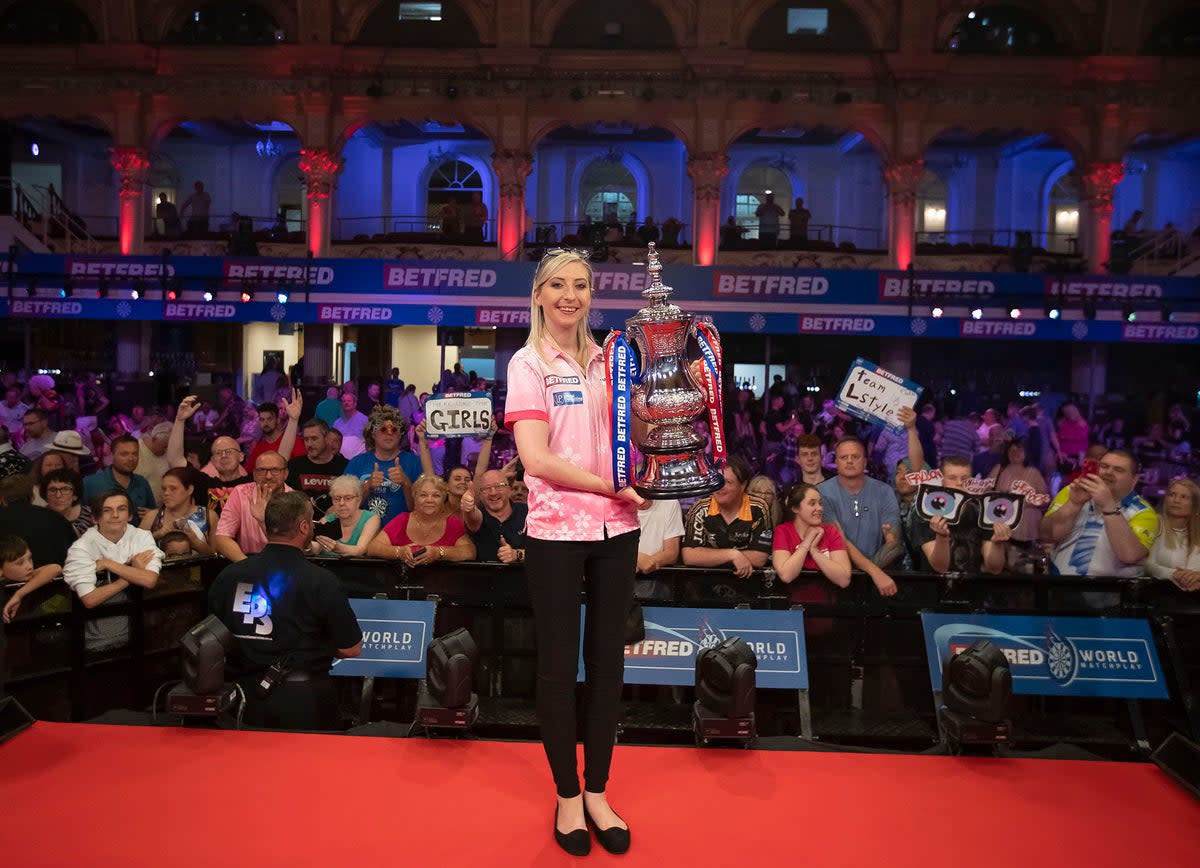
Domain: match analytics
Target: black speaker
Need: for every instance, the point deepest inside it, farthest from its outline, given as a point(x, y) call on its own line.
point(13, 718)
point(1179, 757)
point(451, 336)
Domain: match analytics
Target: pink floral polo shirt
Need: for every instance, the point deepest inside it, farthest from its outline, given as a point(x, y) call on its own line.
point(577, 408)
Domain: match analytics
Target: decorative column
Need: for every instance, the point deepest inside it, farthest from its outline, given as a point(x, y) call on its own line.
point(902, 179)
point(1099, 182)
point(707, 170)
point(132, 165)
point(512, 167)
point(320, 167)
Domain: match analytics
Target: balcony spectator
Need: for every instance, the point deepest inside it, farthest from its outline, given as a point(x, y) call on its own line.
point(62, 490)
point(386, 469)
point(648, 232)
point(166, 212)
point(347, 529)
point(1176, 552)
point(730, 527)
point(671, 227)
point(105, 561)
point(474, 220)
point(427, 534)
point(314, 471)
point(38, 436)
point(240, 529)
point(184, 508)
point(121, 476)
point(198, 204)
point(798, 219)
point(731, 234)
point(768, 214)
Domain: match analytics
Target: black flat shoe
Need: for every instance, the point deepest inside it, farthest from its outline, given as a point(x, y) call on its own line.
point(615, 840)
point(577, 842)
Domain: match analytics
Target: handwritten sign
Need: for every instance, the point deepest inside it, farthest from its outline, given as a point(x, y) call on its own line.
point(1032, 497)
point(458, 414)
point(874, 395)
point(971, 486)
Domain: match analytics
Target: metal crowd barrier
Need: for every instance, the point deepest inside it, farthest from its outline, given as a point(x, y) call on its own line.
point(866, 653)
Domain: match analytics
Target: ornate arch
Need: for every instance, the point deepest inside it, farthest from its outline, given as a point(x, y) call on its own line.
point(92, 10)
point(353, 15)
point(868, 132)
point(1154, 13)
point(539, 132)
point(1065, 19)
point(680, 14)
point(354, 123)
point(162, 17)
point(877, 17)
point(632, 163)
point(1070, 142)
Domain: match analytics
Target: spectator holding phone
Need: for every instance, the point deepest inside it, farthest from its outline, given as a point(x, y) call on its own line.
point(428, 533)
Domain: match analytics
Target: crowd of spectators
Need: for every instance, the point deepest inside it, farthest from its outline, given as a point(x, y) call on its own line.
point(807, 487)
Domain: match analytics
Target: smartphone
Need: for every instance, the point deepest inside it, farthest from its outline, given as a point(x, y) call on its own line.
point(1090, 465)
point(418, 551)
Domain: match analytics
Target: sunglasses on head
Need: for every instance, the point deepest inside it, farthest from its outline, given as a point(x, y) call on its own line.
point(578, 251)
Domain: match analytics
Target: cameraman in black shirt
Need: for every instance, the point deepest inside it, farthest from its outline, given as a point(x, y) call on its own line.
point(290, 618)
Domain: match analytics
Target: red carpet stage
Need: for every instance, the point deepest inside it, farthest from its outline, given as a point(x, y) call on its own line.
point(100, 796)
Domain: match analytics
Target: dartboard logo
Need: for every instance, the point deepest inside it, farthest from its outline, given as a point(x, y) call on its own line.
point(1060, 658)
point(377, 505)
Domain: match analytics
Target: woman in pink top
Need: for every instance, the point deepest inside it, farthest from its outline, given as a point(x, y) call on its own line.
point(806, 543)
point(578, 531)
point(1072, 434)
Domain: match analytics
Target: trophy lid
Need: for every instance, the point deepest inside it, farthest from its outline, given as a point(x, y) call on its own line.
point(657, 293)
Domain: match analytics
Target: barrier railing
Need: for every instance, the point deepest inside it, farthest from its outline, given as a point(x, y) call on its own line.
point(865, 652)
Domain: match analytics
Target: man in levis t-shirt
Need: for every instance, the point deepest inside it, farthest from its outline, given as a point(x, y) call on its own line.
point(313, 471)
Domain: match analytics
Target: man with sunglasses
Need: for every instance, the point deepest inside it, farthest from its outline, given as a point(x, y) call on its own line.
point(385, 468)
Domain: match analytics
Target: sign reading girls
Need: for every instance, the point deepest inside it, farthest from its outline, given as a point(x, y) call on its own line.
point(458, 414)
point(874, 395)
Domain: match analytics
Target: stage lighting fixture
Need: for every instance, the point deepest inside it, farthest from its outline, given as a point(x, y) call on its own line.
point(977, 313)
point(209, 295)
point(172, 294)
point(138, 290)
point(204, 692)
point(67, 289)
point(937, 311)
point(282, 296)
point(1168, 313)
point(445, 699)
point(725, 693)
point(1014, 312)
point(1053, 311)
point(1129, 313)
point(976, 693)
point(247, 295)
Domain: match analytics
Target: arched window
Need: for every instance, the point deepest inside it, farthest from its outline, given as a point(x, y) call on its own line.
point(756, 182)
point(608, 191)
point(228, 22)
point(418, 25)
point(451, 183)
point(1002, 30)
point(1062, 214)
point(636, 24)
point(932, 199)
point(1178, 35)
point(43, 21)
point(809, 27)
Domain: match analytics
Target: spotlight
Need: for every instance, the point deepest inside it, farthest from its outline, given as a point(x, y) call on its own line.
point(1053, 311)
point(725, 693)
point(209, 295)
point(445, 699)
point(977, 313)
point(1014, 312)
point(247, 295)
point(138, 290)
point(282, 296)
point(172, 293)
point(1168, 313)
point(937, 311)
point(204, 692)
point(1129, 313)
point(976, 692)
point(67, 289)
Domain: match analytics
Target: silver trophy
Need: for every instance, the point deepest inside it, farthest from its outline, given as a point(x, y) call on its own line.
point(668, 399)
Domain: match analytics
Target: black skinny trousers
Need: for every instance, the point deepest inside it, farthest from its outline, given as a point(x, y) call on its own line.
point(556, 571)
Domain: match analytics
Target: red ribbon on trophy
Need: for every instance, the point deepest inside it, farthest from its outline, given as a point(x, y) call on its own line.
point(710, 380)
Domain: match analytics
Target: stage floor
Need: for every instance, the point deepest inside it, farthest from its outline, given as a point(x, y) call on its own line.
point(99, 796)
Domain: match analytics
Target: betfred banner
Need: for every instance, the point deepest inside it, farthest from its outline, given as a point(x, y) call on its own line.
point(675, 636)
point(1052, 656)
point(396, 634)
point(458, 414)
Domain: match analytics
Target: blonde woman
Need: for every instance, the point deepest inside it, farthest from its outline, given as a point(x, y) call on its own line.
point(347, 529)
point(1176, 552)
point(428, 533)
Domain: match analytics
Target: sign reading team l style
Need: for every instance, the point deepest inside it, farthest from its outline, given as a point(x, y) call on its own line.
point(458, 414)
point(874, 395)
